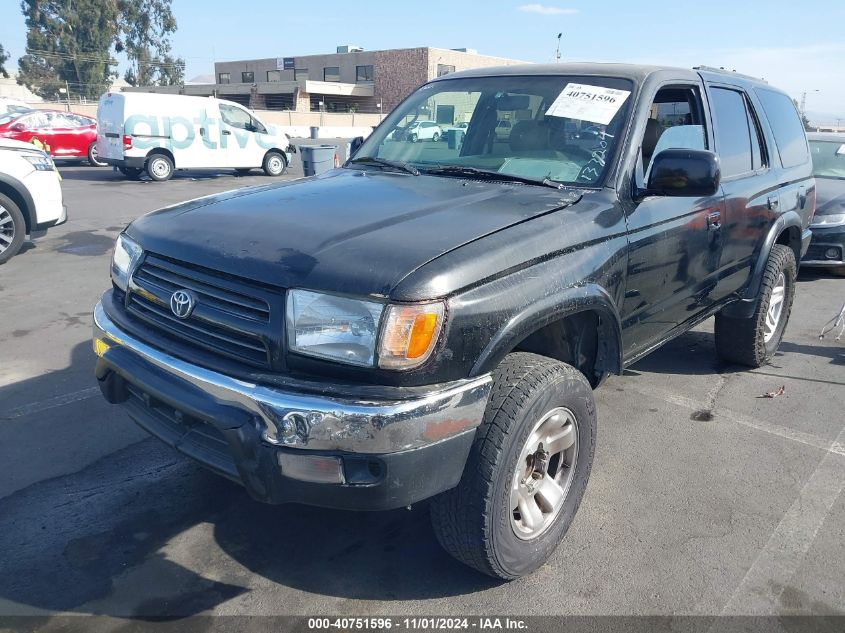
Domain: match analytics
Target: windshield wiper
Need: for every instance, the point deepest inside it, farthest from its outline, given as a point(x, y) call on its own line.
point(383, 162)
point(488, 174)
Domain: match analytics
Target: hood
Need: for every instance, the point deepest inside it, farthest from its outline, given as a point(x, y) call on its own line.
point(8, 143)
point(348, 231)
point(830, 196)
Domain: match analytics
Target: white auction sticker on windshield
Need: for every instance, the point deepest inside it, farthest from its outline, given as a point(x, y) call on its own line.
point(595, 104)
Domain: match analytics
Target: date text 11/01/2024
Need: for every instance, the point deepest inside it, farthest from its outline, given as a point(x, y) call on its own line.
point(416, 624)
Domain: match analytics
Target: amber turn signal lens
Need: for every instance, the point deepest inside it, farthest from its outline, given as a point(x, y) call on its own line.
point(409, 335)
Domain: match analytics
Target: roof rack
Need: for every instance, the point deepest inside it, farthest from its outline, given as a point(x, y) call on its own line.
point(713, 69)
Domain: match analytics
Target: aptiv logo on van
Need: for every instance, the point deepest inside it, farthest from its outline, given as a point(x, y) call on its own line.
point(177, 132)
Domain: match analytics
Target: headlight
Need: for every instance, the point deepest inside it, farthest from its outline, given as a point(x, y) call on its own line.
point(830, 219)
point(333, 327)
point(409, 335)
point(127, 252)
point(41, 162)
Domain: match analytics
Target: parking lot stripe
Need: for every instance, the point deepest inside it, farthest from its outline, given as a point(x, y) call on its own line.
point(837, 447)
point(50, 403)
point(779, 560)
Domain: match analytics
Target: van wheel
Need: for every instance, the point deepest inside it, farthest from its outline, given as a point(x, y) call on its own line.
point(753, 341)
point(159, 167)
point(92, 156)
point(526, 472)
point(12, 229)
point(133, 173)
point(274, 164)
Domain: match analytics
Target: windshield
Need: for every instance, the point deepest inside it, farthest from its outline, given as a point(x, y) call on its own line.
point(559, 128)
point(828, 158)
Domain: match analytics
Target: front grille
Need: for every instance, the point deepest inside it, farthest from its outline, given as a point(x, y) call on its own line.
point(232, 317)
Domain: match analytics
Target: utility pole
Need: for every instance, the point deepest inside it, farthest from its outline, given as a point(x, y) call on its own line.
point(804, 100)
point(557, 54)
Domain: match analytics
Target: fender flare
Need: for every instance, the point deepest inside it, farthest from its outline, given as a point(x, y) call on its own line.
point(589, 297)
point(747, 303)
point(28, 206)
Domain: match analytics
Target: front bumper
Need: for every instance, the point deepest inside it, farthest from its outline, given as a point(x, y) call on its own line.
point(392, 452)
point(826, 239)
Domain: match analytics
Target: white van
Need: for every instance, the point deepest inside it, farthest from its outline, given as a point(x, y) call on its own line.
point(157, 133)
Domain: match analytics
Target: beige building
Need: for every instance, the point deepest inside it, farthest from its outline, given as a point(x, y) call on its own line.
point(350, 80)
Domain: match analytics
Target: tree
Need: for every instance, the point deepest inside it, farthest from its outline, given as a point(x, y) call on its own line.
point(144, 34)
point(68, 43)
point(4, 57)
point(808, 127)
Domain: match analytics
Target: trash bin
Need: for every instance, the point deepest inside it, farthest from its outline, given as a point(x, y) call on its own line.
point(454, 138)
point(317, 159)
point(315, 131)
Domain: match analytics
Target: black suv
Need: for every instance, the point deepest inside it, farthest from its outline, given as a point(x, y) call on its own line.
point(429, 320)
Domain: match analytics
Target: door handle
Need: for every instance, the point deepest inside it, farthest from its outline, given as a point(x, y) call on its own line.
point(772, 203)
point(714, 221)
point(226, 132)
point(202, 131)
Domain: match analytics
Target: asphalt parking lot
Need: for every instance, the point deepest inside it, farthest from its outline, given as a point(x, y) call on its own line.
point(704, 499)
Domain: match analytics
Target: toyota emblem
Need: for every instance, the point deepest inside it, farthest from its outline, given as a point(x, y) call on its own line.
point(182, 303)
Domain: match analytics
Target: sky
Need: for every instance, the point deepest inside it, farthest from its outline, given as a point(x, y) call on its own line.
point(797, 46)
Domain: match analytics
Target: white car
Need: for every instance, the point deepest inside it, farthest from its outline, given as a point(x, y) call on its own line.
point(421, 131)
point(30, 195)
point(12, 105)
point(158, 134)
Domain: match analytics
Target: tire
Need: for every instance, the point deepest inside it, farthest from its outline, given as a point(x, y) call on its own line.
point(274, 164)
point(477, 521)
point(12, 229)
point(436, 137)
point(133, 173)
point(92, 156)
point(753, 341)
point(412, 138)
point(160, 167)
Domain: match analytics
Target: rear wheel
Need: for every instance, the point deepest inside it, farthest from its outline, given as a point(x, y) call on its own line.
point(274, 164)
point(133, 173)
point(159, 167)
point(92, 156)
point(526, 472)
point(12, 229)
point(753, 341)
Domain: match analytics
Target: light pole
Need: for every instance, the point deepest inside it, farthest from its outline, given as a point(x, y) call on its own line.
point(557, 53)
point(804, 100)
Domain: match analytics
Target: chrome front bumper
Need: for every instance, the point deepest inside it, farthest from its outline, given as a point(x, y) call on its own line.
point(305, 421)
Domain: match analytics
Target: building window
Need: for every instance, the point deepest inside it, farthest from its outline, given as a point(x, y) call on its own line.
point(444, 69)
point(331, 73)
point(364, 74)
point(248, 77)
point(300, 73)
point(223, 78)
point(274, 75)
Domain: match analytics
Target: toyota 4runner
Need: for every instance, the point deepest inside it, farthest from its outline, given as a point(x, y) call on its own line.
point(429, 320)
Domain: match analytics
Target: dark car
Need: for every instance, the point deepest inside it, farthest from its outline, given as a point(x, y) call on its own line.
point(67, 135)
point(429, 320)
point(827, 249)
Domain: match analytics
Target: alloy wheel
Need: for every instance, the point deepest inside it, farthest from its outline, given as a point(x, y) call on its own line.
point(775, 308)
point(7, 229)
point(544, 473)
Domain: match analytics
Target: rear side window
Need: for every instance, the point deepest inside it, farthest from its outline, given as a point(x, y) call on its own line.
point(733, 136)
point(786, 126)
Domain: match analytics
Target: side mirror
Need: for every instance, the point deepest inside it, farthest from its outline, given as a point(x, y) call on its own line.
point(355, 145)
point(18, 127)
point(684, 173)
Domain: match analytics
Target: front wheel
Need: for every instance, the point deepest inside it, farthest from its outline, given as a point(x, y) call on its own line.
point(753, 341)
point(526, 472)
point(12, 229)
point(274, 164)
point(436, 137)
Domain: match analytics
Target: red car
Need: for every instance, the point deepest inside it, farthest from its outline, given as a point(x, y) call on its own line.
point(68, 135)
